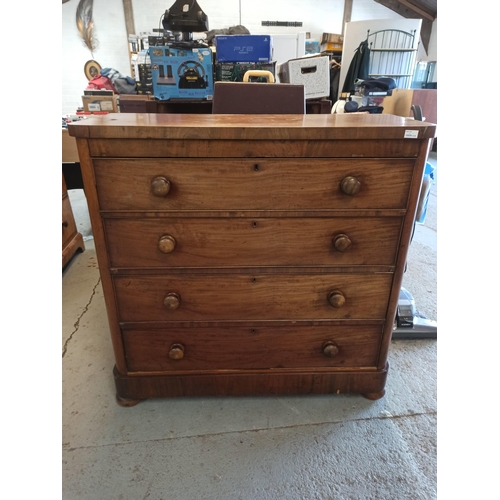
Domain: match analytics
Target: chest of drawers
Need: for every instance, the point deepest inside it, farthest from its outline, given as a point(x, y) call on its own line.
point(251, 254)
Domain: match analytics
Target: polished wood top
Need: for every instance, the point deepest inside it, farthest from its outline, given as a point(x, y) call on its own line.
point(250, 127)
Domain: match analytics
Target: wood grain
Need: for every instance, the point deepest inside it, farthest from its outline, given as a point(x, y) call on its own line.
point(261, 297)
point(294, 184)
point(237, 348)
point(278, 282)
point(226, 242)
point(219, 148)
point(249, 127)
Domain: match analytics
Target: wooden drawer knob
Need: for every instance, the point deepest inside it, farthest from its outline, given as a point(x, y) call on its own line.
point(65, 223)
point(350, 185)
point(176, 351)
point(336, 298)
point(172, 301)
point(330, 349)
point(166, 243)
point(342, 242)
point(160, 186)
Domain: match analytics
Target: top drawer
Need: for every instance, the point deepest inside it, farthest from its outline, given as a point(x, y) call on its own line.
point(252, 184)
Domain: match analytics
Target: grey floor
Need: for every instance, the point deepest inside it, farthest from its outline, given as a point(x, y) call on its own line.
point(315, 447)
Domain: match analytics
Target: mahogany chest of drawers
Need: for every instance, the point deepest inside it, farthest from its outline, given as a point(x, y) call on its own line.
point(251, 254)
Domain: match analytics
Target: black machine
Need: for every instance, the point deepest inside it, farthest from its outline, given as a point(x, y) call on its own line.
point(185, 17)
point(192, 76)
point(409, 324)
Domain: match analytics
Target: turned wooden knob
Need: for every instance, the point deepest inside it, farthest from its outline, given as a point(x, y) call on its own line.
point(342, 242)
point(330, 349)
point(350, 185)
point(172, 301)
point(176, 351)
point(336, 298)
point(166, 243)
point(160, 186)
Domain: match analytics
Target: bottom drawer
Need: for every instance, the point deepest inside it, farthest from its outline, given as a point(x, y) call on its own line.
point(246, 348)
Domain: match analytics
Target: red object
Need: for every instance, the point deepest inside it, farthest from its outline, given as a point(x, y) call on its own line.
point(100, 82)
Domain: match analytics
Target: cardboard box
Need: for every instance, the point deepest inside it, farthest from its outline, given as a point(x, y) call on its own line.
point(312, 47)
point(233, 72)
point(243, 48)
point(332, 38)
point(182, 73)
point(94, 103)
point(331, 47)
point(313, 72)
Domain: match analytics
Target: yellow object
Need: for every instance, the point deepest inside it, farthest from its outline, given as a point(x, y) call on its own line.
point(259, 73)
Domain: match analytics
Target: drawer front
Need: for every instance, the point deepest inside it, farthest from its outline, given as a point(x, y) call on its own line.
point(258, 184)
point(241, 348)
point(179, 242)
point(252, 297)
point(68, 222)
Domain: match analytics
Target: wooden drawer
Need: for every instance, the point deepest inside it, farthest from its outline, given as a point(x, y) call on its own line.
point(292, 147)
point(207, 297)
point(251, 184)
point(68, 221)
point(245, 348)
point(224, 242)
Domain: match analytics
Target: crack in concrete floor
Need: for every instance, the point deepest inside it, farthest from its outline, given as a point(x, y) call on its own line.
point(243, 431)
point(77, 323)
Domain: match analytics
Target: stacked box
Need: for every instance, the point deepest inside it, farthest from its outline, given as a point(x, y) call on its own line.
point(331, 47)
point(99, 103)
point(244, 48)
point(332, 38)
point(182, 73)
point(312, 47)
point(313, 72)
point(332, 42)
point(234, 72)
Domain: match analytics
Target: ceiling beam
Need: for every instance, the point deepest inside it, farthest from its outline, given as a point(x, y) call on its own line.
point(347, 13)
point(417, 10)
point(409, 12)
point(129, 17)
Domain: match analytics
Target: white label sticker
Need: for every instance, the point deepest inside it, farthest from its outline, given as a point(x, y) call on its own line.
point(107, 105)
point(411, 134)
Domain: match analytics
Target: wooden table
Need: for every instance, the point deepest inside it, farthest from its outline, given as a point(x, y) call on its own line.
point(72, 240)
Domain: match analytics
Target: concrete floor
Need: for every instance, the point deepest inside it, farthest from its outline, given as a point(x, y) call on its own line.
point(314, 447)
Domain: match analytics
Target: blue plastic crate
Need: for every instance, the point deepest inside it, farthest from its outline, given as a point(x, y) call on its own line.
point(425, 192)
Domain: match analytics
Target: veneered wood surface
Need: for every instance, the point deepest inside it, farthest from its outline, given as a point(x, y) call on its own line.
point(253, 127)
point(223, 242)
point(271, 382)
point(236, 348)
point(227, 148)
point(68, 222)
point(260, 184)
point(258, 297)
point(72, 240)
point(224, 303)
